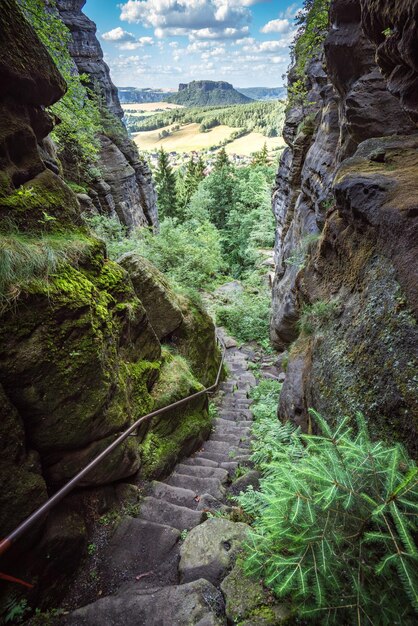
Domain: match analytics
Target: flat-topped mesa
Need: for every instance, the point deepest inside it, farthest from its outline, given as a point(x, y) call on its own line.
point(207, 93)
point(126, 188)
point(206, 85)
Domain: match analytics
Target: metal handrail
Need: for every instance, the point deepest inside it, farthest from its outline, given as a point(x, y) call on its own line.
point(8, 541)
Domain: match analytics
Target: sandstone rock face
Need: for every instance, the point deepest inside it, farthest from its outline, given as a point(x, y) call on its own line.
point(345, 207)
point(159, 300)
point(394, 33)
point(130, 192)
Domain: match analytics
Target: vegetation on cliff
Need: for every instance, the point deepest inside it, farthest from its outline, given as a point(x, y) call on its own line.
point(78, 111)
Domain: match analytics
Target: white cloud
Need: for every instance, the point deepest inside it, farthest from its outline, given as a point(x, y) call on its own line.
point(118, 35)
point(215, 34)
point(291, 11)
point(126, 41)
point(277, 26)
point(228, 18)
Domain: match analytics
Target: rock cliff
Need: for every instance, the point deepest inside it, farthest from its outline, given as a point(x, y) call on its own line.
point(345, 292)
point(125, 187)
point(86, 345)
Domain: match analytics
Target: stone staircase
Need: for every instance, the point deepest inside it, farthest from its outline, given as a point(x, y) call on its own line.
point(142, 558)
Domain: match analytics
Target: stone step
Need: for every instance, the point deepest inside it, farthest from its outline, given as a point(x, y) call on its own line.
point(229, 415)
point(230, 466)
point(226, 438)
point(202, 472)
point(213, 456)
point(217, 446)
point(233, 429)
point(242, 459)
point(197, 484)
point(174, 495)
point(223, 422)
point(138, 546)
point(163, 512)
point(195, 460)
point(198, 602)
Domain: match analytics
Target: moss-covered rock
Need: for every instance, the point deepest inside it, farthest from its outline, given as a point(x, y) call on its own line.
point(155, 293)
point(195, 340)
point(22, 487)
point(247, 602)
point(70, 356)
point(177, 432)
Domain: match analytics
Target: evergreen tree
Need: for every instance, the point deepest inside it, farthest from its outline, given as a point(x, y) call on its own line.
point(335, 523)
point(222, 160)
point(261, 158)
point(200, 169)
point(165, 178)
point(188, 182)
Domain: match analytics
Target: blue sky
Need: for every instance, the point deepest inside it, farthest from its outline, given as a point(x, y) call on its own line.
point(160, 43)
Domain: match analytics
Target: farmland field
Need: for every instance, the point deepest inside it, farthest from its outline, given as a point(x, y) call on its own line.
point(189, 137)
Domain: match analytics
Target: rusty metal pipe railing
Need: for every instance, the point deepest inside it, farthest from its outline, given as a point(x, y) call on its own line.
point(8, 541)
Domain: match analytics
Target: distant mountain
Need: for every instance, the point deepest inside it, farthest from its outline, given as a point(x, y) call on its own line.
point(133, 95)
point(207, 93)
point(263, 93)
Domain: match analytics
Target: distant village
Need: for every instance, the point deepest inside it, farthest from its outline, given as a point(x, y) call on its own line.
point(178, 159)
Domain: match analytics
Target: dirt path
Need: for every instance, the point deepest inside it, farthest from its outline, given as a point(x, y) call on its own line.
point(141, 561)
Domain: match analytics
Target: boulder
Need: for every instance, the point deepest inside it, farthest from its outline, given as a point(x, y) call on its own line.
point(160, 301)
point(209, 550)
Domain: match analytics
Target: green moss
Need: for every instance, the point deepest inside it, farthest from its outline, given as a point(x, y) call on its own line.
point(140, 376)
point(195, 340)
point(176, 381)
point(159, 453)
point(44, 203)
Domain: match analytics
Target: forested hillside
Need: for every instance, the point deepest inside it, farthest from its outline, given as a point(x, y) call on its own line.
point(264, 117)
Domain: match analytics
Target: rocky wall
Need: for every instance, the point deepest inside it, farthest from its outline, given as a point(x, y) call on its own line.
point(345, 291)
point(125, 188)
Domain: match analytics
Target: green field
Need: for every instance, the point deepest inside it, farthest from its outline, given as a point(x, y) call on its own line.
point(242, 129)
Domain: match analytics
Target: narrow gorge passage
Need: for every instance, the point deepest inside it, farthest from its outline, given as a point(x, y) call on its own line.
point(146, 566)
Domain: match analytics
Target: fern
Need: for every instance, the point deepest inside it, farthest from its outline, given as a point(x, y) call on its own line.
point(335, 522)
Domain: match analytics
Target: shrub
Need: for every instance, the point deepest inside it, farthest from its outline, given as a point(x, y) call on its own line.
point(246, 317)
point(189, 253)
point(24, 258)
point(335, 524)
point(316, 314)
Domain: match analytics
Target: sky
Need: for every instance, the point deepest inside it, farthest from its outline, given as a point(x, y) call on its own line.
point(161, 43)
